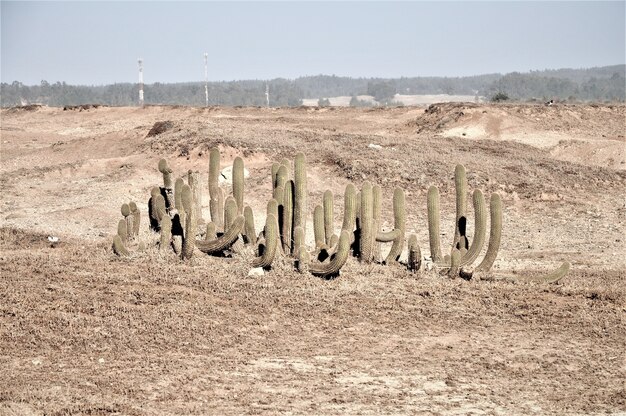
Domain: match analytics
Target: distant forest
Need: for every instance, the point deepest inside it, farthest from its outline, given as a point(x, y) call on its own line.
point(594, 84)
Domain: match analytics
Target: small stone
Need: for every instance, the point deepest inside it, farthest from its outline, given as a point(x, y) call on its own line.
point(257, 271)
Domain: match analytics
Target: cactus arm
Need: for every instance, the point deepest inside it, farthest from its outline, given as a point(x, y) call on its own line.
point(271, 243)
point(480, 229)
point(337, 261)
point(495, 233)
point(399, 214)
point(225, 240)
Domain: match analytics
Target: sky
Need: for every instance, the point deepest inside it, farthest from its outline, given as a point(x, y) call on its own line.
point(96, 43)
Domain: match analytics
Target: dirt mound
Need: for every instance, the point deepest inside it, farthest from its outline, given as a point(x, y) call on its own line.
point(24, 108)
point(160, 127)
point(82, 107)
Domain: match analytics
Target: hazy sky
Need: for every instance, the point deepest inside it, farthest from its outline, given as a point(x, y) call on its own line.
point(99, 42)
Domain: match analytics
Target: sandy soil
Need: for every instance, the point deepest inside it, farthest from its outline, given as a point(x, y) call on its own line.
point(84, 332)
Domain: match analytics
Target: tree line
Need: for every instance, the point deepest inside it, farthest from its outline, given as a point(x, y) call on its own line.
point(593, 84)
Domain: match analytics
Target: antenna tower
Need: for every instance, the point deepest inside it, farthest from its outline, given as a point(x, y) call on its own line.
point(267, 94)
point(206, 79)
point(140, 62)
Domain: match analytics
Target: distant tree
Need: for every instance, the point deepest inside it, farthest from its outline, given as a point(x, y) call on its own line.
point(500, 96)
point(382, 91)
point(323, 102)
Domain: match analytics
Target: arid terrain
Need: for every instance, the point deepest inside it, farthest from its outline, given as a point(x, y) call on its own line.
point(85, 332)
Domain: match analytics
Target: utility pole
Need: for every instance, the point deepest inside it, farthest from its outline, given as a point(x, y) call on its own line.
point(267, 95)
point(206, 79)
point(140, 62)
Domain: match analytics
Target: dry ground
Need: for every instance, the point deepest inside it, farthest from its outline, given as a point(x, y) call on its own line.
point(83, 332)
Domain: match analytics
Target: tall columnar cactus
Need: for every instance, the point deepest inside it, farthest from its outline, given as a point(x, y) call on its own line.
point(433, 224)
point(178, 204)
point(196, 190)
point(460, 182)
point(279, 183)
point(287, 164)
point(168, 184)
point(332, 267)
point(480, 229)
point(298, 240)
point(414, 260)
point(166, 233)
point(275, 167)
point(211, 232)
point(495, 233)
point(249, 230)
point(216, 195)
point(301, 194)
point(189, 240)
point(270, 246)
point(455, 263)
point(349, 210)
point(318, 226)
point(136, 214)
point(376, 217)
point(398, 233)
point(287, 217)
point(328, 208)
point(238, 184)
point(230, 212)
point(366, 223)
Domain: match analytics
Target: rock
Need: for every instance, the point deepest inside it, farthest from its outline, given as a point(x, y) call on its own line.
point(257, 271)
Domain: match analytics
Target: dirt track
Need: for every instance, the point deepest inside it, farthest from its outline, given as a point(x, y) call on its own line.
point(82, 332)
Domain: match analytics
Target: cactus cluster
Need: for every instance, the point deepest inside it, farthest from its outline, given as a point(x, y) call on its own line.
point(175, 212)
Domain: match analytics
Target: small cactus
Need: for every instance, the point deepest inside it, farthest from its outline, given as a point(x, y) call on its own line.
point(168, 184)
point(327, 202)
point(165, 233)
point(332, 267)
point(301, 195)
point(230, 212)
point(433, 224)
point(318, 226)
point(460, 182)
point(238, 184)
point(367, 223)
point(495, 233)
point(480, 229)
point(249, 231)
point(414, 261)
point(224, 241)
point(189, 239)
point(136, 218)
point(118, 247)
point(216, 203)
point(397, 234)
point(287, 217)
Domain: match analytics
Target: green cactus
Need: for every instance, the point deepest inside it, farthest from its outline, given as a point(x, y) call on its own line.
point(287, 164)
point(414, 261)
point(270, 233)
point(272, 208)
point(279, 183)
point(480, 229)
point(301, 195)
point(178, 204)
point(225, 241)
point(168, 184)
point(238, 184)
point(279, 194)
point(460, 182)
point(122, 230)
point(399, 215)
point(230, 212)
point(193, 179)
point(216, 203)
point(298, 239)
point(455, 261)
point(136, 218)
point(331, 268)
point(249, 230)
point(495, 233)
point(129, 221)
point(318, 226)
point(118, 247)
point(275, 167)
point(304, 258)
point(166, 233)
point(367, 223)
point(287, 217)
point(211, 232)
point(189, 239)
point(376, 218)
point(349, 210)
point(433, 224)
point(328, 212)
